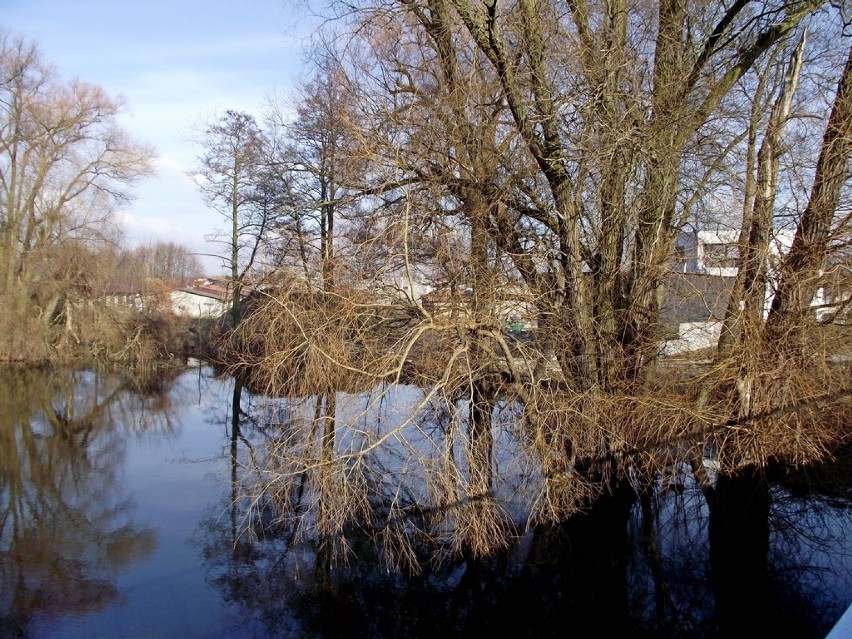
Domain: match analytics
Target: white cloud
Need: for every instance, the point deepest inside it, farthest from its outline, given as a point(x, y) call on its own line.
point(177, 64)
point(169, 166)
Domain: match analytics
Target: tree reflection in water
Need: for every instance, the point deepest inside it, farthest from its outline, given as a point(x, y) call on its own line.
point(745, 557)
point(65, 531)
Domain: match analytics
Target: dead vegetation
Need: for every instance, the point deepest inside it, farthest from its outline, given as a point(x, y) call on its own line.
point(481, 448)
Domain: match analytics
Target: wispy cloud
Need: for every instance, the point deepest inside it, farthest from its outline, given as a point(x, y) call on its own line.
point(177, 63)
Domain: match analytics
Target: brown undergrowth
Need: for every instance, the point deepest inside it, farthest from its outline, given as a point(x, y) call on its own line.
point(486, 450)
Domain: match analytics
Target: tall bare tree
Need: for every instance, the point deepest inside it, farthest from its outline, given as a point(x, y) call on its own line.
point(314, 165)
point(65, 164)
point(230, 174)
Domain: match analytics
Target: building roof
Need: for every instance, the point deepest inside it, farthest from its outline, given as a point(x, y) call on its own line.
point(202, 290)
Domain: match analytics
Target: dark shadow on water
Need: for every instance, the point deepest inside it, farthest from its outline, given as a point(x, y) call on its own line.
point(747, 558)
point(762, 553)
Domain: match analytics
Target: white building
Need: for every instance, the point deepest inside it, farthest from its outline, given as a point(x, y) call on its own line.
point(714, 253)
point(202, 301)
point(707, 252)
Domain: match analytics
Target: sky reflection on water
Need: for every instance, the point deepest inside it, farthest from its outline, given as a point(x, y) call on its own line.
point(118, 521)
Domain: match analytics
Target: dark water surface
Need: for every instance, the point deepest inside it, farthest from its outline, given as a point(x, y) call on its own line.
point(117, 519)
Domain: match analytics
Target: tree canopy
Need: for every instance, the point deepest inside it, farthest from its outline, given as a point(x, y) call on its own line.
point(65, 165)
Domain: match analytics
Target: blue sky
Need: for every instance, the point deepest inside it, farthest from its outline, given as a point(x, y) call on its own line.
point(177, 63)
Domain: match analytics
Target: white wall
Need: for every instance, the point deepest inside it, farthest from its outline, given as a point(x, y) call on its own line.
point(192, 305)
point(693, 336)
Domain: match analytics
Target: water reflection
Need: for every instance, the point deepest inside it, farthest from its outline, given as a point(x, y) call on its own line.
point(664, 558)
point(66, 529)
point(557, 578)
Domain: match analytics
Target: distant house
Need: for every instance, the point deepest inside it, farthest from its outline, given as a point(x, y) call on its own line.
point(204, 299)
point(692, 311)
point(704, 266)
point(708, 252)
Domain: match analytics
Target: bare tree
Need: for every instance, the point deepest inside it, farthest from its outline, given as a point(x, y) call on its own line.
point(230, 175)
point(64, 166)
point(314, 165)
point(556, 152)
point(563, 140)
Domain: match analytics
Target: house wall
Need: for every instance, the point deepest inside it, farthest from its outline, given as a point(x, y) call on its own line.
point(699, 252)
point(693, 336)
point(189, 304)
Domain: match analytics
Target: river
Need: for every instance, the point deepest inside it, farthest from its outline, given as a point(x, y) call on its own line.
point(129, 511)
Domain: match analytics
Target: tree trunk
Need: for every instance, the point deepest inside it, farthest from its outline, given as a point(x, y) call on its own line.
point(801, 268)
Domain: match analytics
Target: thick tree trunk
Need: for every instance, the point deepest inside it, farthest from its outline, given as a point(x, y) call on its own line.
point(801, 268)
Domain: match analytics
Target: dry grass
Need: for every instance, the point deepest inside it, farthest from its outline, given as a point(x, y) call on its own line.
point(567, 450)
